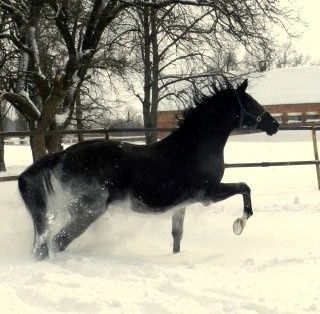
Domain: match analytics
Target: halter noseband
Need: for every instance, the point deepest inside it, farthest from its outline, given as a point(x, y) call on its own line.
point(244, 113)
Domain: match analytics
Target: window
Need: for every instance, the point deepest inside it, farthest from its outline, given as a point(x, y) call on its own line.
point(277, 116)
point(294, 117)
point(312, 116)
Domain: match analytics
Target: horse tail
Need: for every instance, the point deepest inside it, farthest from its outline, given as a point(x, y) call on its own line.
point(35, 186)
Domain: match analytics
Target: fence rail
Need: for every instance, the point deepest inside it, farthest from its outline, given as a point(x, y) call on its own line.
point(133, 130)
point(273, 164)
point(107, 131)
point(86, 131)
point(8, 178)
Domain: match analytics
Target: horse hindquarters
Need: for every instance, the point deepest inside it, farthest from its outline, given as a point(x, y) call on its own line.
point(32, 192)
point(34, 185)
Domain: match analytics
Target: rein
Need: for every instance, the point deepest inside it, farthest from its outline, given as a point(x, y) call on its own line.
point(244, 113)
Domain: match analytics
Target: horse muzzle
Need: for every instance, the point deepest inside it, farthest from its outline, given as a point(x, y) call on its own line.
point(273, 129)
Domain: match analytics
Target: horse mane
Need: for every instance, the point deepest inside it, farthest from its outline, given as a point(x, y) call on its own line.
point(217, 87)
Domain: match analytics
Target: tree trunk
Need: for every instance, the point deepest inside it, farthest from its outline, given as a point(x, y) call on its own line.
point(38, 147)
point(41, 143)
point(146, 53)
point(147, 121)
point(151, 73)
point(2, 163)
point(79, 117)
point(53, 143)
point(155, 75)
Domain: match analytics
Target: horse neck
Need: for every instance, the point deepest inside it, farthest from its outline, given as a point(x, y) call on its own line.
point(214, 133)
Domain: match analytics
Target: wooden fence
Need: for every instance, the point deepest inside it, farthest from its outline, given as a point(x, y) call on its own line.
point(107, 133)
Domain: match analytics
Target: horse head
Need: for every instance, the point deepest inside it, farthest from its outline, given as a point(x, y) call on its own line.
point(252, 114)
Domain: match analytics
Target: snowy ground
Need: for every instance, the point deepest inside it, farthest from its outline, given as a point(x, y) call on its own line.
point(123, 264)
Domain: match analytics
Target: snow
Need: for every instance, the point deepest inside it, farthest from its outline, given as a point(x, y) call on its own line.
point(286, 86)
point(24, 94)
point(85, 52)
point(60, 119)
point(124, 264)
point(31, 103)
point(75, 78)
point(294, 122)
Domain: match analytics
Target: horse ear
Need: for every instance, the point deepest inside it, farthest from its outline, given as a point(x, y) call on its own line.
point(243, 86)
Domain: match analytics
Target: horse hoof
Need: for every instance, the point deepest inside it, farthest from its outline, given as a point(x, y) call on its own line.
point(41, 253)
point(176, 249)
point(238, 226)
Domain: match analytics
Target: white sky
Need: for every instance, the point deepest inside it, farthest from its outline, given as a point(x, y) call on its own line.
point(309, 43)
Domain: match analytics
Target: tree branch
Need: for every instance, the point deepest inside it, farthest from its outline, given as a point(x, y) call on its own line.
point(23, 104)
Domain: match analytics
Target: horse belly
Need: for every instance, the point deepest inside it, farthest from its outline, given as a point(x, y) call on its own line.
point(141, 207)
point(158, 200)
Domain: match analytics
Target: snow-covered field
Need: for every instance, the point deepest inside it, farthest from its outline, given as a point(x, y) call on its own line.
point(124, 264)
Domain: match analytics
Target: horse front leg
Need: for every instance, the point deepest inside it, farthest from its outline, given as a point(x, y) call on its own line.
point(226, 190)
point(177, 228)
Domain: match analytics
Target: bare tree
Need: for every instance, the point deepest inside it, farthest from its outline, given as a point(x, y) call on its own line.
point(274, 56)
point(47, 87)
point(78, 27)
point(8, 58)
point(178, 45)
point(94, 108)
point(287, 56)
point(167, 43)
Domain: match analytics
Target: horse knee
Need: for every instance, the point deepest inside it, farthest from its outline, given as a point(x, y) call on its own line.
point(244, 188)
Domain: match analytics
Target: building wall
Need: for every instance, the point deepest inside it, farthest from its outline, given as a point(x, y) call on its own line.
point(297, 114)
point(168, 119)
point(286, 114)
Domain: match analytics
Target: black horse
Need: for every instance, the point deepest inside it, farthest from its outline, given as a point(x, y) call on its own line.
point(183, 168)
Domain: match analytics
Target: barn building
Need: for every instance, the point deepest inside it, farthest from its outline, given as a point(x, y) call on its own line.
point(291, 95)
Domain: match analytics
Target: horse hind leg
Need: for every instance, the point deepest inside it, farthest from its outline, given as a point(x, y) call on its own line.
point(72, 230)
point(33, 197)
point(83, 213)
point(177, 228)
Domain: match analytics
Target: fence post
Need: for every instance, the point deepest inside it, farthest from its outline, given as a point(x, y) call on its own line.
point(316, 154)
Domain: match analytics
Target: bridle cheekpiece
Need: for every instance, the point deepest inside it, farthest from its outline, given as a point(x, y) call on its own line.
point(244, 113)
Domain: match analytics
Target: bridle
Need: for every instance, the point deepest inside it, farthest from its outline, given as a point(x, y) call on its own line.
point(244, 113)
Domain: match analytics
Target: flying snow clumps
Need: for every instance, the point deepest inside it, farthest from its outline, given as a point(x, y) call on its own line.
point(61, 118)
